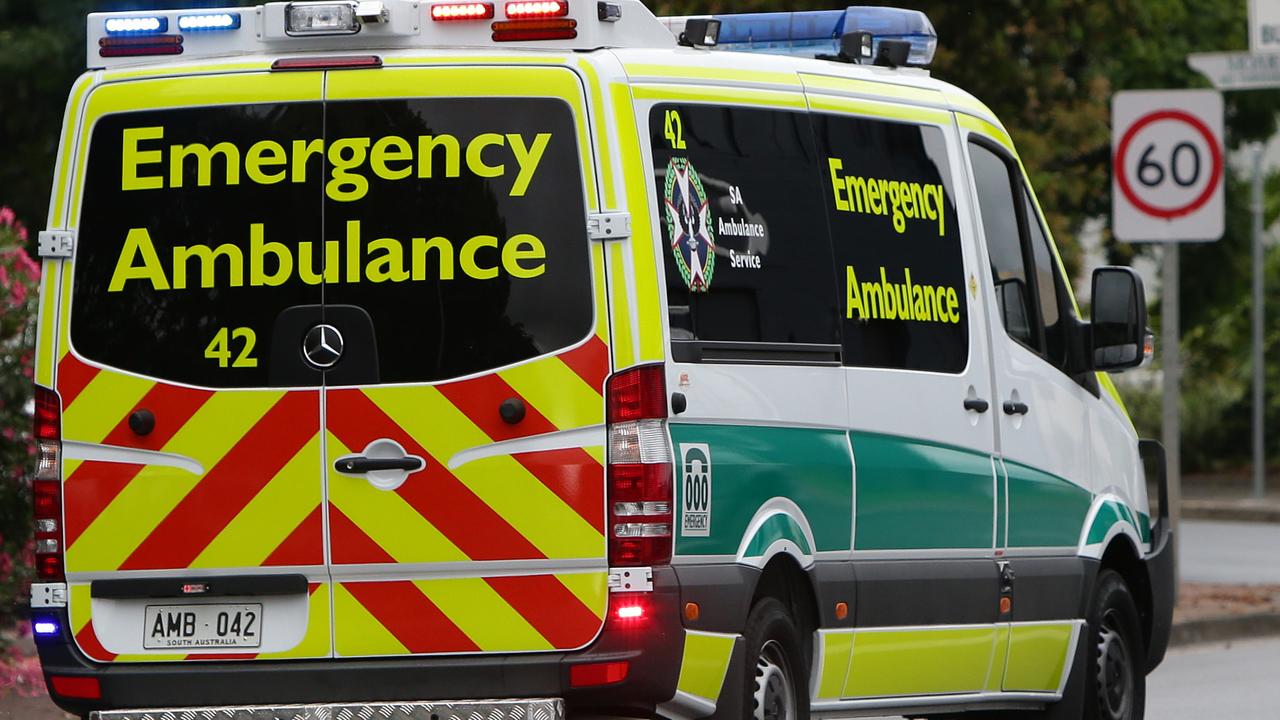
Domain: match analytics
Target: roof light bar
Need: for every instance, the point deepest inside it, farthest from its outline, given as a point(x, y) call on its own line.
point(321, 18)
point(536, 9)
point(445, 12)
point(136, 25)
point(209, 21)
point(810, 33)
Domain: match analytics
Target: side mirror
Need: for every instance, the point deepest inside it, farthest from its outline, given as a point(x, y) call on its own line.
point(1119, 327)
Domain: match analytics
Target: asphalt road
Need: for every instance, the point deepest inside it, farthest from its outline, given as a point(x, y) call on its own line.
point(1229, 552)
point(1200, 682)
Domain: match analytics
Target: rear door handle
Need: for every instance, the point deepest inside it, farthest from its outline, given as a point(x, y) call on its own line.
point(360, 465)
point(977, 405)
point(1014, 407)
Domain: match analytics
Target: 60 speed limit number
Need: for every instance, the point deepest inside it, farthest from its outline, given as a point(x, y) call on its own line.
point(1167, 166)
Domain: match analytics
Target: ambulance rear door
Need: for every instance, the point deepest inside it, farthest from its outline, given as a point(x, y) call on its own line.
point(193, 513)
point(464, 354)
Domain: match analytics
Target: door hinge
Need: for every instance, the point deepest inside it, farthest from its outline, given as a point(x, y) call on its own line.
point(55, 243)
point(48, 595)
point(609, 226)
point(638, 579)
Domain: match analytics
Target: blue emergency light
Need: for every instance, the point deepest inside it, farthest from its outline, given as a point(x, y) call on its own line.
point(44, 627)
point(207, 22)
point(137, 25)
point(816, 32)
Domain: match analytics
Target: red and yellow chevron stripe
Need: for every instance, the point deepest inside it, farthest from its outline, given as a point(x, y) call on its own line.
point(469, 615)
point(260, 503)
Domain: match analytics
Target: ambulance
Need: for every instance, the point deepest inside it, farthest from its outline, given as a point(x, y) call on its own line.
point(533, 359)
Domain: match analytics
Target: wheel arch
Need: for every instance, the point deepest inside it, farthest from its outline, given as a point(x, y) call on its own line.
point(783, 579)
point(1123, 556)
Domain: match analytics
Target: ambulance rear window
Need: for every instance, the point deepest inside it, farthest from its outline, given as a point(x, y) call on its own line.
point(440, 237)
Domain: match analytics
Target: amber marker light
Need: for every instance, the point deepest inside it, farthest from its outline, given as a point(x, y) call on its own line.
point(692, 612)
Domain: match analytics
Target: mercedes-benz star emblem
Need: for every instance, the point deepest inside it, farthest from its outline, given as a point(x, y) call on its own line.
point(323, 346)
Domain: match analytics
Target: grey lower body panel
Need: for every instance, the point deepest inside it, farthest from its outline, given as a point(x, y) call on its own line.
point(539, 709)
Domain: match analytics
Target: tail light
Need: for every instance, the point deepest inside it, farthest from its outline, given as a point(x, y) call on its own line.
point(640, 472)
point(46, 486)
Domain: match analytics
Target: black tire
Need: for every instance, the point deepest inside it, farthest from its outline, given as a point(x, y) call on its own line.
point(1115, 680)
point(777, 682)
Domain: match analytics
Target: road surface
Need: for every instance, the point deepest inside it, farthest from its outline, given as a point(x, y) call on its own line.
point(1229, 552)
point(1237, 680)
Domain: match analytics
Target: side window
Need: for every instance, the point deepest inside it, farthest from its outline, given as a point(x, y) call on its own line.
point(748, 255)
point(1030, 289)
point(890, 205)
point(1049, 282)
point(994, 179)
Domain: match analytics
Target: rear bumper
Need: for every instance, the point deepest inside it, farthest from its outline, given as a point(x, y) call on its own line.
point(652, 648)
point(533, 709)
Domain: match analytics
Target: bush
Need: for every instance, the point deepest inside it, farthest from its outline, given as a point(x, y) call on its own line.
point(19, 278)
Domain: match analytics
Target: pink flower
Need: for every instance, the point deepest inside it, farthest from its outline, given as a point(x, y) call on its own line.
point(25, 263)
point(17, 294)
point(4, 276)
point(8, 433)
point(7, 216)
point(22, 232)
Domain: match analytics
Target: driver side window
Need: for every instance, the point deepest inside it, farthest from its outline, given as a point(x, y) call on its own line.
point(1000, 223)
point(1035, 306)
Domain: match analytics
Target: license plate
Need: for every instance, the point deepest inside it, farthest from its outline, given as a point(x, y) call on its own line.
point(177, 627)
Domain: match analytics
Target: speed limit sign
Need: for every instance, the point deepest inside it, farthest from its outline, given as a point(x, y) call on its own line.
point(1167, 164)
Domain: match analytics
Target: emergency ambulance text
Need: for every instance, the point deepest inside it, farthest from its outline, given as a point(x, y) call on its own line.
point(889, 300)
point(874, 196)
point(147, 163)
point(271, 264)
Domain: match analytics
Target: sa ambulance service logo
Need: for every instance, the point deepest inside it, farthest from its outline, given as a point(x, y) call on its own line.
point(695, 495)
point(689, 225)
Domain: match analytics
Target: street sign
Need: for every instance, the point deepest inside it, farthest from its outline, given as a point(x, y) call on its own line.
point(1264, 25)
point(1167, 164)
point(1239, 70)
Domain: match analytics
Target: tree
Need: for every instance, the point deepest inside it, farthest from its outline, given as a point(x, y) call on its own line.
point(42, 46)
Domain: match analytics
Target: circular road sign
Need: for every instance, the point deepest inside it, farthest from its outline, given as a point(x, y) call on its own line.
point(1168, 166)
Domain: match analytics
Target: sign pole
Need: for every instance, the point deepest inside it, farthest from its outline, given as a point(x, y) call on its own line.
point(1259, 311)
point(1172, 425)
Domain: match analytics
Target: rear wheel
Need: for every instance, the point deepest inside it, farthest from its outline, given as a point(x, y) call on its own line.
point(777, 683)
point(1115, 679)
